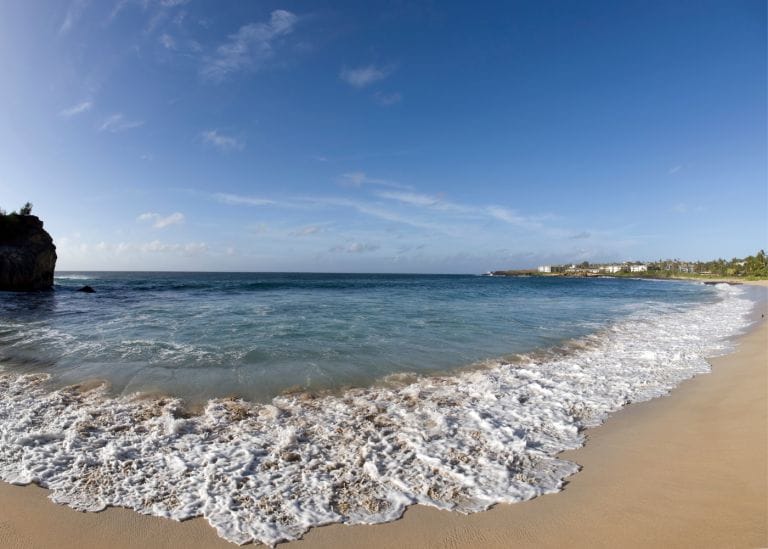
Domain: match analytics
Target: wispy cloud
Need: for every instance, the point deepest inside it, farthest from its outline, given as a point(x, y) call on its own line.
point(168, 41)
point(132, 248)
point(387, 99)
point(74, 12)
point(240, 200)
point(435, 202)
point(162, 221)
point(249, 47)
point(355, 248)
point(414, 199)
point(118, 123)
point(307, 231)
point(358, 179)
point(156, 246)
point(683, 208)
point(581, 236)
point(222, 142)
point(373, 210)
point(76, 109)
point(674, 169)
point(512, 217)
point(361, 77)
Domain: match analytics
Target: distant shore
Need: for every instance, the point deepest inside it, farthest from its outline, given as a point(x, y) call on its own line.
point(684, 470)
point(712, 279)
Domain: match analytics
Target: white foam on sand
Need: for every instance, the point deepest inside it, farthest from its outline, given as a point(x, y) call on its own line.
point(270, 472)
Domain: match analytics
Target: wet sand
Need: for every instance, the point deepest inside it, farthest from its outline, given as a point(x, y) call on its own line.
point(686, 470)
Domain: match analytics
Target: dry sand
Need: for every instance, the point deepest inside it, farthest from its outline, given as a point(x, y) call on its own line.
point(687, 470)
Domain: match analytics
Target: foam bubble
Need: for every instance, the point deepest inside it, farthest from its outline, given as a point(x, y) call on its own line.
point(268, 472)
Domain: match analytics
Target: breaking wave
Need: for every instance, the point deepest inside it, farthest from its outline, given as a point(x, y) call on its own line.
point(269, 472)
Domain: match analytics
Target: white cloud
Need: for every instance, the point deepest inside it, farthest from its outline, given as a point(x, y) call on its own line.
point(363, 76)
point(249, 47)
point(415, 199)
point(387, 99)
point(512, 217)
point(307, 231)
point(168, 41)
point(76, 109)
point(355, 248)
point(580, 236)
point(358, 179)
point(118, 123)
point(674, 169)
point(237, 200)
point(374, 210)
point(132, 248)
point(161, 221)
point(683, 208)
point(74, 12)
point(222, 142)
point(428, 201)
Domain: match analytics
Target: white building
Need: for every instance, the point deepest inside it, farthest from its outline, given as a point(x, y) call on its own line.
point(611, 268)
point(638, 268)
point(545, 268)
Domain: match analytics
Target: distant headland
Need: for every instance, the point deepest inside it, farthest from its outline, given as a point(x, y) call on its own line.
point(27, 252)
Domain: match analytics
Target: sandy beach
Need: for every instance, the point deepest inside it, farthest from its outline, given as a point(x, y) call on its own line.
point(687, 470)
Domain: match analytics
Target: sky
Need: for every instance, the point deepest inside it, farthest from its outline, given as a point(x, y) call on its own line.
point(397, 136)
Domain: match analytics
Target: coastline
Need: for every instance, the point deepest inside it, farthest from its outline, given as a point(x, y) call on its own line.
point(683, 470)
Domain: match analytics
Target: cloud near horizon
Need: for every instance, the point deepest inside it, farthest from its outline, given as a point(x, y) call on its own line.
point(160, 221)
point(355, 248)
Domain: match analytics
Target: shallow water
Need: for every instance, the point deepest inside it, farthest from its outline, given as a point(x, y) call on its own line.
point(463, 440)
point(202, 335)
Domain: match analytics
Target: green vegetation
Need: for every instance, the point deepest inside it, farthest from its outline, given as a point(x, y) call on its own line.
point(26, 209)
point(753, 267)
point(12, 224)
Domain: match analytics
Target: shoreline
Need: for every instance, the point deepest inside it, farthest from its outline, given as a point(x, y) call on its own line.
point(702, 487)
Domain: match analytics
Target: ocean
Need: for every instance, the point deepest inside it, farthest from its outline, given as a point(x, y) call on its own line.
point(273, 402)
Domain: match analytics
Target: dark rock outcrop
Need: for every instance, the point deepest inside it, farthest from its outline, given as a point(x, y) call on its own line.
point(27, 254)
point(86, 289)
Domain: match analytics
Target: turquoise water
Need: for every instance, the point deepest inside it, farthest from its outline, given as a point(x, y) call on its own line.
point(559, 356)
point(255, 335)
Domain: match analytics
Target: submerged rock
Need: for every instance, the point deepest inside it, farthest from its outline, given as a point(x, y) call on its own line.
point(27, 254)
point(86, 289)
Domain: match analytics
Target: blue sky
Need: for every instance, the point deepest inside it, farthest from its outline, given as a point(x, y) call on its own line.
point(385, 136)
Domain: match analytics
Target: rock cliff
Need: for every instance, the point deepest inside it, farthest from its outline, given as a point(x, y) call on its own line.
point(27, 253)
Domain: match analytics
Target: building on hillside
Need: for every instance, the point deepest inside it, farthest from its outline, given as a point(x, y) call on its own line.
point(638, 268)
point(611, 268)
point(545, 268)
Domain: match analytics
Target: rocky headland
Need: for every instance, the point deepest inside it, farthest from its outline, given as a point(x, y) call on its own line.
point(27, 254)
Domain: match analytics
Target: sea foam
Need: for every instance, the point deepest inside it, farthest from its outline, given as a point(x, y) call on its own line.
point(269, 472)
